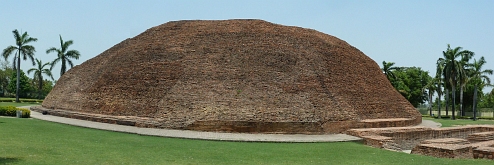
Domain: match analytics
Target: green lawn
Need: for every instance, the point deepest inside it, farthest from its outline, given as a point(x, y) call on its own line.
point(449, 122)
point(32, 141)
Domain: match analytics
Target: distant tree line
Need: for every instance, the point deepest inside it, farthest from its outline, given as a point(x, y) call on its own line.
point(459, 78)
point(13, 80)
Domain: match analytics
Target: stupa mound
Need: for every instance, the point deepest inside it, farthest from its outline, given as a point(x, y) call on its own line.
point(232, 76)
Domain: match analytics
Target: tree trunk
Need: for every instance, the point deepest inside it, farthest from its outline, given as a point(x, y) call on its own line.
point(430, 103)
point(447, 101)
point(453, 93)
point(40, 86)
point(439, 106)
point(439, 100)
point(475, 103)
point(462, 110)
point(18, 77)
point(63, 69)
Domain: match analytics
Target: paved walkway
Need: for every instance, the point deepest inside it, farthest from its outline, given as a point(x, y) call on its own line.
point(205, 135)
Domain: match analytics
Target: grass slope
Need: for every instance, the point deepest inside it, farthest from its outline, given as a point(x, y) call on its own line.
point(32, 141)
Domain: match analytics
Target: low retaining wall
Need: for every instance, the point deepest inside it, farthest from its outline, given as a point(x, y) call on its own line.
point(238, 126)
point(451, 142)
point(120, 120)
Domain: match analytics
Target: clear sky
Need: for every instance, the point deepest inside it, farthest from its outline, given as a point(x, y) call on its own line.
point(407, 32)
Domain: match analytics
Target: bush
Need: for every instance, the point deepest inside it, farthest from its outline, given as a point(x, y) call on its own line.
point(485, 118)
point(464, 117)
point(443, 117)
point(21, 100)
point(8, 110)
point(11, 111)
point(26, 113)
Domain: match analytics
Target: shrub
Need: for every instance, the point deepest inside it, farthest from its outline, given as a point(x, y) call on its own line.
point(22, 100)
point(11, 111)
point(443, 117)
point(26, 113)
point(464, 117)
point(7, 110)
point(486, 118)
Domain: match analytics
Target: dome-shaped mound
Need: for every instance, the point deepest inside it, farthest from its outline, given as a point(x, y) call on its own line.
point(233, 76)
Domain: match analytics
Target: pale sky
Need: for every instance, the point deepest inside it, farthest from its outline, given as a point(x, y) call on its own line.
point(407, 32)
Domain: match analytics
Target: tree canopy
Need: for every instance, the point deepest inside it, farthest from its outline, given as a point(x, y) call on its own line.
point(410, 81)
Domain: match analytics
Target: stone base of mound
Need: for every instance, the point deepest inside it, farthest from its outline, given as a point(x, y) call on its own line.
point(120, 120)
point(237, 126)
point(473, 141)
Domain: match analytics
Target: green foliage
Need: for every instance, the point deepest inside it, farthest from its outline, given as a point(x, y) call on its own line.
point(21, 99)
point(12, 111)
point(7, 110)
point(47, 87)
point(5, 73)
point(21, 49)
point(24, 84)
point(487, 101)
point(26, 113)
point(38, 76)
point(388, 69)
point(410, 82)
point(16, 104)
point(64, 55)
point(486, 118)
point(423, 111)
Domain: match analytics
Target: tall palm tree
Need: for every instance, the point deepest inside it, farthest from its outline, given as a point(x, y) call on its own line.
point(464, 77)
point(388, 69)
point(64, 55)
point(481, 75)
point(38, 74)
point(21, 48)
point(439, 73)
point(453, 70)
point(430, 88)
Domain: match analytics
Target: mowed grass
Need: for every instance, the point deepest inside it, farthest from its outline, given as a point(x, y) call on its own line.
point(32, 141)
point(457, 122)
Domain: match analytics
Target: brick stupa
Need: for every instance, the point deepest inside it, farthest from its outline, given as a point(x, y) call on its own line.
point(232, 76)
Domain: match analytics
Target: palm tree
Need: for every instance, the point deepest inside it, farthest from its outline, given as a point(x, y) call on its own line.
point(453, 70)
point(38, 74)
point(431, 86)
point(388, 69)
point(481, 76)
point(439, 73)
point(464, 77)
point(64, 55)
point(21, 48)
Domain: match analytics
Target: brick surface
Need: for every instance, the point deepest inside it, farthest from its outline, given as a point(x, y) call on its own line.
point(234, 75)
point(471, 141)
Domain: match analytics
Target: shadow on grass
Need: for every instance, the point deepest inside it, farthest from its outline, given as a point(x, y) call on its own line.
point(8, 160)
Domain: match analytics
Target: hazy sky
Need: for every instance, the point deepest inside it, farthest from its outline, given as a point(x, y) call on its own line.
point(410, 33)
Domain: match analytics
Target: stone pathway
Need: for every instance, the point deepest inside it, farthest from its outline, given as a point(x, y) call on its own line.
point(197, 134)
point(430, 123)
point(208, 135)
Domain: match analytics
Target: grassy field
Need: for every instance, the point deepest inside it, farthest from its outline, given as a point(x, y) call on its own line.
point(449, 122)
point(32, 141)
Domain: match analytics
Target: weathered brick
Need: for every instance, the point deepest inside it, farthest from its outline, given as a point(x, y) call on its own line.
point(188, 73)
